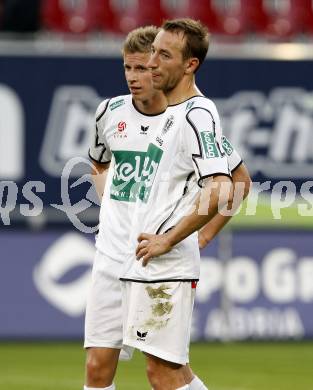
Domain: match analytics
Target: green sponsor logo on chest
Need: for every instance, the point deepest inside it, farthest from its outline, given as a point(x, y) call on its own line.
point(209, 144)
point(151, 165)
point(227, 146)
point(134, 173)
point(116, 104)
point(127, 175)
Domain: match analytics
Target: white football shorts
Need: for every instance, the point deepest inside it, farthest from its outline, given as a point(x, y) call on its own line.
point(157, 318)
point(104, 317)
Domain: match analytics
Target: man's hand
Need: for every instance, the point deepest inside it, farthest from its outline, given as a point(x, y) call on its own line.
point(152, 245)
point(216, 192)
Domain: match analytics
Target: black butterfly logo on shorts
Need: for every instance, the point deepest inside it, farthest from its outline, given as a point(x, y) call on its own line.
point(141, 335)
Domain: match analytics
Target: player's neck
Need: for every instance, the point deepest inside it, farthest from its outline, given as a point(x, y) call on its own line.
point(184, 90)
point(155, 105)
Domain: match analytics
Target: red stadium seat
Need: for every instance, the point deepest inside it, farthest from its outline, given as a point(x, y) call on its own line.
point(108, 16)
point(142, 13)
point(308, 18)
point(245, 17)
point(294, 17)
point(75, 16)
point(204, 11)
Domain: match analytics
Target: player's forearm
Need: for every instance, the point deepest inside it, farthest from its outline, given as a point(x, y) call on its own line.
point(242, 184)
point(212, 198)
point(214, 226)
point(99, 175)
point(99, 183)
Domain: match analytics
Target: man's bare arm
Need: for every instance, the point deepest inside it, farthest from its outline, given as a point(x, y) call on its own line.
point(215, 194)
point(242, 184)
point(99, 173)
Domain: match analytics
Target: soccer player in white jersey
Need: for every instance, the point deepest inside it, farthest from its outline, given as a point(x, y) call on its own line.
point(185, 153)
point(123, 127)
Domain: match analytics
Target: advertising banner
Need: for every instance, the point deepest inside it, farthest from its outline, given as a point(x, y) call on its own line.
point(263, 291)
point(47, 106)
point(259, 287)
point(254, 284)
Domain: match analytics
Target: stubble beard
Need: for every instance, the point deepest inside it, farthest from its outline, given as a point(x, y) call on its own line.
point(170, 84)
point(158, 87)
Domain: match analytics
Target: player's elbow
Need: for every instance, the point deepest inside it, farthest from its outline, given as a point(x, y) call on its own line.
point(226, 196)
point(217, 192)
point(224, 191)
point(247, 186)
point(242, 181)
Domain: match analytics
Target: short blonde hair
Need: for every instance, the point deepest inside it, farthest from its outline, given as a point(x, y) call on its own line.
point(140, 40)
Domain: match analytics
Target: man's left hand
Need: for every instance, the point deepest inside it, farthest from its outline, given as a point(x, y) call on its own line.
point(152, 245)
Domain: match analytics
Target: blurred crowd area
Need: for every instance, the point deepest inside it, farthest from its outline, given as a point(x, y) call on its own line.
point(277, 20)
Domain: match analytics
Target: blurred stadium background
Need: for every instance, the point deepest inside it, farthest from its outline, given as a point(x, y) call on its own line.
point(253, 318)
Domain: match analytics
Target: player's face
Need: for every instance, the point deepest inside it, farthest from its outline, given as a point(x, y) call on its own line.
point(166, 60)
point(138, 75)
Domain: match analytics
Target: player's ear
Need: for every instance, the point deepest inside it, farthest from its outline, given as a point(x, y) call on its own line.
point(191, 65)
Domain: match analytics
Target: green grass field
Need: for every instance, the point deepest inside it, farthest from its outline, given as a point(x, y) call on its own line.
point(268, 215)
point(239, 366)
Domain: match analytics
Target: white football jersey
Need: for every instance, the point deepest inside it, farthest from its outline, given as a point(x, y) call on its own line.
point(122, 136)
point(186, 148)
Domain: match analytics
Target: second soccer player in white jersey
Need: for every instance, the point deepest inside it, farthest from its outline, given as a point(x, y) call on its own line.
point(124, 127)
point(184, 154)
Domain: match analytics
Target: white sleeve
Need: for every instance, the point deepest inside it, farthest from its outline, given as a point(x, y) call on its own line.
point(99, 150)
point(234, 159)
point(203, 143)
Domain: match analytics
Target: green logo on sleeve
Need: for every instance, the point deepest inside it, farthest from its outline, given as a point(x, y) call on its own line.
point(209, 144)
point(116, 104)
point(227, 146)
